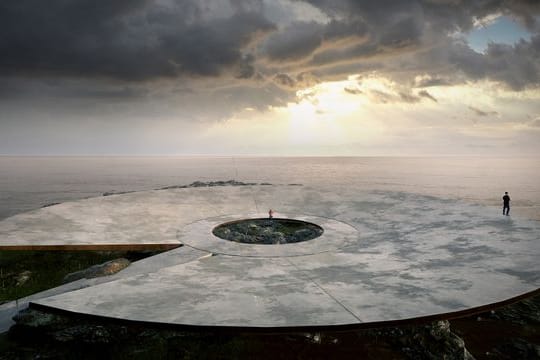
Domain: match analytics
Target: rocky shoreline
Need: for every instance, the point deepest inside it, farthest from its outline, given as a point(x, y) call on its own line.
point(39, 334)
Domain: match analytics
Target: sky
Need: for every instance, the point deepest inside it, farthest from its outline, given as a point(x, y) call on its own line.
point(270, 77)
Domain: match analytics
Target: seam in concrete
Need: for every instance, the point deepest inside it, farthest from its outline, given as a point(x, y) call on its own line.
point(324, 290)
point(209, 255)
point(260, 256)
point(255, 200)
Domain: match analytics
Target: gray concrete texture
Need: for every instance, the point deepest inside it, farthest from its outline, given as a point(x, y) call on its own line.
point(384, 256)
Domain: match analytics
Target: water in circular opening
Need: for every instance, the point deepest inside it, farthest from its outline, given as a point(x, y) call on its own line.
point(268, 231)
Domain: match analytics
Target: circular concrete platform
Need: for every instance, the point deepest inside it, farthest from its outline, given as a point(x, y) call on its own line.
point(383, 257)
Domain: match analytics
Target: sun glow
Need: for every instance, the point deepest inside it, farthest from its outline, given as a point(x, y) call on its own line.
point(324, 116)
point(373, 115)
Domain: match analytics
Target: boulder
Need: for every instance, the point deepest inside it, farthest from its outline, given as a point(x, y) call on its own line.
point(105, 269)
point(23, 277)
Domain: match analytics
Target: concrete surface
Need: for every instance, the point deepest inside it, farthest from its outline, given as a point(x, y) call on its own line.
point(384, 256)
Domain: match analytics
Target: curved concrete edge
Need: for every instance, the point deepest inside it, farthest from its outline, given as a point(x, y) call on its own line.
point(92, 247)
point(290, 329)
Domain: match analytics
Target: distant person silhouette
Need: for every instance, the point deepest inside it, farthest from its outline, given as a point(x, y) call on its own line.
point(506, 203)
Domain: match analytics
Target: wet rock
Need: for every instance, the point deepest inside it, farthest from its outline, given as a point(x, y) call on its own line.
point(432, 341)
point(23, 278)
point(524, 312)
point(238, 237)
point(508, 332)
point(49, 330)
point(278, 238)
point(109, 193)
point(517, 349)
point(48, 335)
point(105, 269)
point(268, 231)
point(86, 333)
point(303, 234)
point(253, 229)
point(196, 184)
point(50, 204)
point(33, 319)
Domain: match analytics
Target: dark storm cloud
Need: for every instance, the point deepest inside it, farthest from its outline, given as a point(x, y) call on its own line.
point(336, 56)
point(145, 39)
point(284, 80)
point(129, 40)
point(381, 96)
point(425, 94)
point(389, 97)
point(52, 88)
point(296, 41)
point(443, 15)
point(301, 39)
point(409, 98)
point(336, 30)
point(229, 99)
point(245, 68)
point(479, 112)
point(122, 49)
point(307, 79)
point(414, 37)
point(427, 82)
point(291, 84)
point(516, 65)
point(247, 5)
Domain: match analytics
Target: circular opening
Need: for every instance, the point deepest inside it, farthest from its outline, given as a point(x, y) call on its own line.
point(268, 231)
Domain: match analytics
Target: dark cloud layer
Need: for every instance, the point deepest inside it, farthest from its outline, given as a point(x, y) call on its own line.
point(480, 112)
point(295, 42)
point(424, 28)
point(426, 94)
point(145, 40)
point(128, 40)
point(515, 65)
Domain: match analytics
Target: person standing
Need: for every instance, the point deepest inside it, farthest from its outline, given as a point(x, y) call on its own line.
point(506, 203)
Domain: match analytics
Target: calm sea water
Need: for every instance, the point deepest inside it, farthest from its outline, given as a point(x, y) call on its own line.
point(28, 183)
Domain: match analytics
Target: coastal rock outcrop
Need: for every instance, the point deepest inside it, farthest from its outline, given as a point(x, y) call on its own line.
point(47, 335)
point(107, 268)
point(209, 184)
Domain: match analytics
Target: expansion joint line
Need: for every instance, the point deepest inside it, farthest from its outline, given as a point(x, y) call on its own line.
point(324, 290)
point(255, 201)
point(256, 205)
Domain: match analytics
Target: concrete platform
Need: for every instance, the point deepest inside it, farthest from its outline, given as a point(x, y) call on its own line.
point(384, 257)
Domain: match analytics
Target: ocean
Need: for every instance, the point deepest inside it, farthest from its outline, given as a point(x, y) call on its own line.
point(28, 183)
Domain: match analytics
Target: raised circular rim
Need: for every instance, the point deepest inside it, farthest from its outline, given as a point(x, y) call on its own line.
point(336, 235)
point(269, 219)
